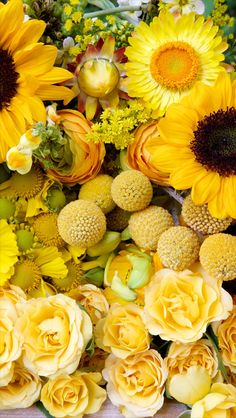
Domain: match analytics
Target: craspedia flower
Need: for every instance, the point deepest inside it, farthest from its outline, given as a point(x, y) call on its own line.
point(218, 256)
point(117, 219)
point(98, 190)
point(193, 132)
point(131, 190)
point(7, 208)
point(27, 74)
point(147, 225)
point(46, 230)
point(178, 247)
point(199, 218)
point(81, 223)
point(73, 279)
point(8, 250)
point(168, 57)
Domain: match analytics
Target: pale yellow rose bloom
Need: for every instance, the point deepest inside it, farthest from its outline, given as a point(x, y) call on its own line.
point(93, 299)
point(123, 331)
point(226, 332)
point(10, 340)
point(219, 403)
point(180, 305)
point(56, 332)
point(136, 384)
point(14, 293)
point(181, 357)
point(74, 395)
point(22, 391)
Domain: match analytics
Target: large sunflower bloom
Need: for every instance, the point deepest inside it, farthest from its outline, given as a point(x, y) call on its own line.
point(169, 56)
point(26, 74)
point(199, 149)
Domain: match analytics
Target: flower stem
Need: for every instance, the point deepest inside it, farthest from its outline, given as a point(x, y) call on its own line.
point(111, 11)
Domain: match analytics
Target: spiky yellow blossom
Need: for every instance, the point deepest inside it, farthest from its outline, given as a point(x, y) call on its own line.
point(218, 256)
point(193, 132)
point(98, 190)
point(46, 230)
point(81, 223)
point(178, 247)
point(168, 57)
point(147, 225)
point(72, 280)
point(117, 219)
point(131, 190)
point(30, 189)
point(42, 262)
point(27, 74)
point(199, 218)
point(8, 251)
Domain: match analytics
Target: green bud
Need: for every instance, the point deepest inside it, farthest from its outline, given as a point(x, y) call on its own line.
point(125, 234)
point(98, 262)
point(95, 276)
point(122, 290)
point(140, 274)
point(107, 244)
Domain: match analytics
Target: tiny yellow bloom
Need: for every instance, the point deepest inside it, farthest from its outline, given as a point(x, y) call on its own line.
point(68, 25)
point(76, 17)
point(67, 9)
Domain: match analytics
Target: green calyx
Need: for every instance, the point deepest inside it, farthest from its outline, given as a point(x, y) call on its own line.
point(25, 239)
point(55, 199)
point(7, 208)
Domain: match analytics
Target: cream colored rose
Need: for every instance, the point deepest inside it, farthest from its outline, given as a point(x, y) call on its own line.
point(22, 391)
point(219, 403)
point(74, 395)
point(136, 384)
point(226, 333)
point(123, 331)
point(10, 340)
point(93, 299)
point(181, 357)
point(180, 305)
point(14, 293)
point(56, 332)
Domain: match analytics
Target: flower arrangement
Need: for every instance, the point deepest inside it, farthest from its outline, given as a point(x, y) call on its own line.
point(118, 206)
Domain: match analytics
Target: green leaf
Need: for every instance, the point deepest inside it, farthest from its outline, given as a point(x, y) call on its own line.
point(209, 6)
point(90, 347)
point(214, 341)
point(43, 410)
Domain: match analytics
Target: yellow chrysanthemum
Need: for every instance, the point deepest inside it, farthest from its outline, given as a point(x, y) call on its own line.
point(8, 251)
point(199, 149)
point(27, 74)
point(169, 56)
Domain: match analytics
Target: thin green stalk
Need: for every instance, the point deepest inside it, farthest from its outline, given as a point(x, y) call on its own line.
point(221, 366)
point(111, 11)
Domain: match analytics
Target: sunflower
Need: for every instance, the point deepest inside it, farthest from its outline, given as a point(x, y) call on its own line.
point(169, 56)
point(29, 271)
point(8, 251)
point(27, 74)
point(199, 149)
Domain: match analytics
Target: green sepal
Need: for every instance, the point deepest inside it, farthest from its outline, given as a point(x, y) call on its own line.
point(214, 341)
point(90, 347)
point(95, 276)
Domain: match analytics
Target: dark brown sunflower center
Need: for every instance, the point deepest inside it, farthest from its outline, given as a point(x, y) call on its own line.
point(214, 143)
point(8, 79)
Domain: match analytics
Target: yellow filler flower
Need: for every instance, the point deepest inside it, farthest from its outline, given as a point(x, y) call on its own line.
point(27, 74)
point(199, 149)
point(169, 56)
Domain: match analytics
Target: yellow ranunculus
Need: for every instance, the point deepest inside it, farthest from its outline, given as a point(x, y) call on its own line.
point(136, 384)
point(180, 305)
point(10, 340)
point(22, 391)
point(93, 299)
point(219, 403)
point(226, 332)
point(122, 332)
point(73, 396)
point(56, 332)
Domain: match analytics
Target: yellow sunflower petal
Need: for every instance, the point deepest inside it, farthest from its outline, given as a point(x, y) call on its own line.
point(205, 188)
point(185, 176)
point(29, 33)
point(47, 92)
point(35, 59)
point(55, 75)
point(13, 8)
point(218, 206)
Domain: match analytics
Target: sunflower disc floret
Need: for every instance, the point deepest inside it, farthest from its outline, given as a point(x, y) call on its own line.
point(98, 190)
point(178, 247)
point(147, 225)
point(218, 256)
point(131, 190)
point(81, 223)
point(199, 218)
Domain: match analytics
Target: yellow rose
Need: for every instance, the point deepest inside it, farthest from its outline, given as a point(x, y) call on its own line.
point(136, 384)
point(93, 299)
point(74, 395)
point(219, 403)
point(22, 391)
point(10, 340)
point(14, 293)
point(56, 332)
point(180, 305)
point(226, 333)
point(122, 332)
point(181, 357)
